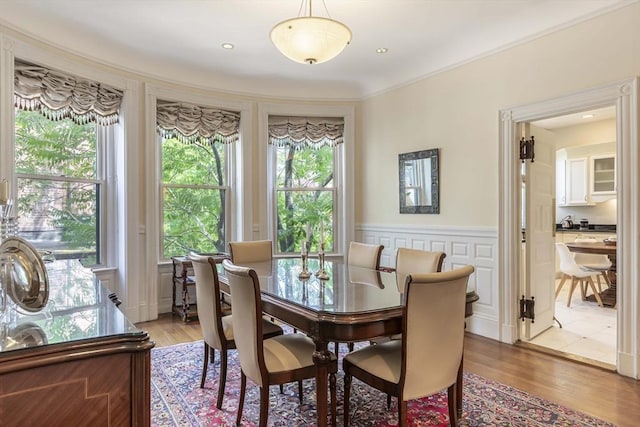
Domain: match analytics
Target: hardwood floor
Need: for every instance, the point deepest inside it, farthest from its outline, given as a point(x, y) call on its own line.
point(592, 390)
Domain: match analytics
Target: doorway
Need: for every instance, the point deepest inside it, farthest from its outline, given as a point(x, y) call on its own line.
point(624, 95)
point(583, 151)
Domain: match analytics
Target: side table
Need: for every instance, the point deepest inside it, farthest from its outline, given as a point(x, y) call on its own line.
point(183, 276)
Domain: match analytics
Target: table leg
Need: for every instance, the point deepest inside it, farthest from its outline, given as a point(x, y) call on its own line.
point(324, 360)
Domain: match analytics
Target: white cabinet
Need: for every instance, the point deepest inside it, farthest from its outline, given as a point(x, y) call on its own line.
point(603, 174)
point(577, 182)
point(561, 182)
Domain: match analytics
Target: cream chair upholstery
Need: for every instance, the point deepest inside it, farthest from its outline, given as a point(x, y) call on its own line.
point(415, 261)
point(600, 263)
point(578, 275)
point(251, 251)
point(426, 360)
point(217, 328)
point(277, 360)
point(364, 255)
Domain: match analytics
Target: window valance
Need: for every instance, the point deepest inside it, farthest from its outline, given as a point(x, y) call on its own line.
point(58, 95)
point(305, 132)
point(193, 123)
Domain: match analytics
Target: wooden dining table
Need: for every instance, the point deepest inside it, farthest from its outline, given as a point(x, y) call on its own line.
point(609, 295)
point(353, 304)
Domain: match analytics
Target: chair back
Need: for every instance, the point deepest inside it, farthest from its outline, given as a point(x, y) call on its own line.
point(433, 331)
point(592, 260)
point(568, 265)
point(251, 251)
point(208, 297)
point(415, 261)
point(247, 319)
point(364, 255)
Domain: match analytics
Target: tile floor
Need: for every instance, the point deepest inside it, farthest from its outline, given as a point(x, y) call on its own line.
point(588, 331)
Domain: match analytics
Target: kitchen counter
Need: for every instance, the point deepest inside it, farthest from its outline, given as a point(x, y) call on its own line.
point(593, 228)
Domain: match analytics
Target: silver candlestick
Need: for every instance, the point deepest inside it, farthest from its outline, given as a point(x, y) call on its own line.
point(304, 254)
point(321, 273)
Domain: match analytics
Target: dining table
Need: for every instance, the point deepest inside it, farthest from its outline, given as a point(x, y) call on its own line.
point(353, 304)
point(609, 295)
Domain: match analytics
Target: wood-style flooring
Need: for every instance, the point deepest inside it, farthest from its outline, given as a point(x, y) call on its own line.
point(592, 390)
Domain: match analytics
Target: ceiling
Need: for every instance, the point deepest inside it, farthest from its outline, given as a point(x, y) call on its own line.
point(580, 118)
point(180, 40)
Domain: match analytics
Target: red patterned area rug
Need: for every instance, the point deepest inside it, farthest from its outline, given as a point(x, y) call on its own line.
point(178, 400)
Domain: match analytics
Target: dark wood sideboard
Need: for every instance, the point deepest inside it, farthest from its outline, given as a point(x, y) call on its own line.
point(79, 362)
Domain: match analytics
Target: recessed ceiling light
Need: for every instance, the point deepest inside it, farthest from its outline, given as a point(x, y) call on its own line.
point(382, 50)
point(227, 46)
point(588, 116)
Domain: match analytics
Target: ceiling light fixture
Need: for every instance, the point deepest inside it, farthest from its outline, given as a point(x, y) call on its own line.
point(588, 116)
point(227, 45)
point(382, 50)
point(310, 39)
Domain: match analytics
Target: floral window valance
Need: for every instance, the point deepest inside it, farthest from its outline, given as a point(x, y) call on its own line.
point(305, 132)
point(58, 95)
point(191, 123)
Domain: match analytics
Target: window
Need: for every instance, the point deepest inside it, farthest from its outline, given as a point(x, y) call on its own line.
point(62, 128)
point(195, 175)
point(305, 151)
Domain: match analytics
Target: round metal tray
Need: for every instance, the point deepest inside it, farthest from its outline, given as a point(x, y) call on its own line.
point(24, 274)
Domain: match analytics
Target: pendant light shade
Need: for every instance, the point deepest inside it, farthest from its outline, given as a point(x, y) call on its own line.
point(310, 39)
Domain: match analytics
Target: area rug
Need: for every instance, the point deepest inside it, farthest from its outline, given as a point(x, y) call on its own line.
point(178, 400)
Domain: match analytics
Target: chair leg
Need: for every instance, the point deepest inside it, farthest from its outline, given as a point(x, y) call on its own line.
point(605, 274)
point(599, 284)
point(243, 387)
point(402, 412)
point(564, 279)
point(574, 282)
point(347, 395)
point(300, 391)
point(583, 289)
point(264, 405)
point(223, 377)
point(595, 293)
point(388, 401)
point(350, 345)
point(204, 365)
point(281, 388)
point(332, 391)
point(452, 403)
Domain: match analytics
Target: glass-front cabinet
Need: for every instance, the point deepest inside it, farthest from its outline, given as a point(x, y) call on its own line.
point(603, 177)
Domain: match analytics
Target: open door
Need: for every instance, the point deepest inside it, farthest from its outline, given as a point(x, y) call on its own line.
point(539, 218)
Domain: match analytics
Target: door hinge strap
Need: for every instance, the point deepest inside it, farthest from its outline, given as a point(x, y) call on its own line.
point(526, 149)
point(527, 307)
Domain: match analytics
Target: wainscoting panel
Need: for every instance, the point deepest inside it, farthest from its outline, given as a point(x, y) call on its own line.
point(463, 246)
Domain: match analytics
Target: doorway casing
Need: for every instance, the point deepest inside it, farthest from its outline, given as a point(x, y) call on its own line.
point(624, 95)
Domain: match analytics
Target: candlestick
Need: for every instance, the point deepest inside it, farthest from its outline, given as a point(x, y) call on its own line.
point(4, 192)
point(308, 232)
point(304, 254)
point(321, 231)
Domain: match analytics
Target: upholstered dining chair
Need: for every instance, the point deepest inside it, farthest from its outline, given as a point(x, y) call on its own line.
point(251, 251)
point(364, 255)
point(217, 328)
point(427, 358)
point(416, 261)
point(600, 263)
point(278, 360)
point(577, 273)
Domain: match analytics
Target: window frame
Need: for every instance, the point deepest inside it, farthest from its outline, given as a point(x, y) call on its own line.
point(104, 169)
point(239, 222)
point(228, 157)
point(343, 214)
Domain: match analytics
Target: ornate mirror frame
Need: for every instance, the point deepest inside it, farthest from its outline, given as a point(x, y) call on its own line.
point(419, 182)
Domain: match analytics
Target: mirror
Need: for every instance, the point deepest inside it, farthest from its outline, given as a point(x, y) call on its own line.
point(419, 187)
